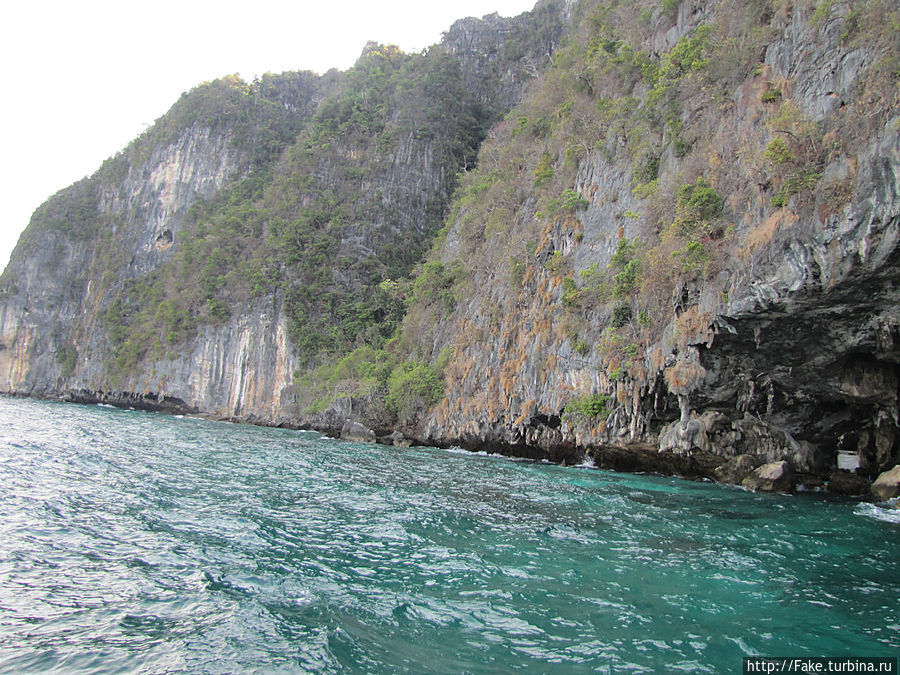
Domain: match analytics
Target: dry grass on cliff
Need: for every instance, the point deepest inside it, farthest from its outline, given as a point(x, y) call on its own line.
point(684, 376)
point(762, 234)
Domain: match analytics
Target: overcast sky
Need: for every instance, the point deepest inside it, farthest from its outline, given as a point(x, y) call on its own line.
point(82, 79)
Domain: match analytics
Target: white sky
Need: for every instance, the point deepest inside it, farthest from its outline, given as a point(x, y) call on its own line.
point(83, 78)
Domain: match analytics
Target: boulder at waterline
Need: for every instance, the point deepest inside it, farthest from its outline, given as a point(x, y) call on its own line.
point(354, 431)
point(848, 484)
point(736, 469)
point(774, 477)
point(887, 485)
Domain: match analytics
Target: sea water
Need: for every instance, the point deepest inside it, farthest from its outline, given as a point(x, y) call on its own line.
point(141, 543)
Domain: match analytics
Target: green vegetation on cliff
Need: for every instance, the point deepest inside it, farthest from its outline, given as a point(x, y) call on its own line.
point(260, 118)
point(339, 202)
point(321, 226)
point(683, 122)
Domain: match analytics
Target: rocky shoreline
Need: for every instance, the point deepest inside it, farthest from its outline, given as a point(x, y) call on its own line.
point(751, 471)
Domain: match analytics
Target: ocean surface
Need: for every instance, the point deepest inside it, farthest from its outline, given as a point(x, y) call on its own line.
point(140, 543)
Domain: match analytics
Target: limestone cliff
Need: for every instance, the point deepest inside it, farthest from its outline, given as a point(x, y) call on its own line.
point(53, 285)
point(606, 309)
point(90, 241)
point(203, 266)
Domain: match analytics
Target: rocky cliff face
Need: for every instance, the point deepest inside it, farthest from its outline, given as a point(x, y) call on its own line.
point(786, 320)
point(124, 223)
point(53, 293)
point(500, 56)
point(91, 297)
point(807, 341)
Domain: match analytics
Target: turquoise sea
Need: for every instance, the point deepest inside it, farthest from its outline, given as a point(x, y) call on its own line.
point(141, 543)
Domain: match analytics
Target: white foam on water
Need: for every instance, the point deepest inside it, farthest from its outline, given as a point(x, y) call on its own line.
point(456, 450)
point(886, 512)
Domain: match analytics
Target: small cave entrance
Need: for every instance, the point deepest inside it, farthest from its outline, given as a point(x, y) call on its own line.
point(552, 421)
point(868, 429)
point(164, 240)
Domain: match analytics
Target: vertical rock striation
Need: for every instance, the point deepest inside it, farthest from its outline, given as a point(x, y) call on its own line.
point(124, 223)
point(54, 285)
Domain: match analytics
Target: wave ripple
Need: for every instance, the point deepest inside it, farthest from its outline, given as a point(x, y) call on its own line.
point(134, 542)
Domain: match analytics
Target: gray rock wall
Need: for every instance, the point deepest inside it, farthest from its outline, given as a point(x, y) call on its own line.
point(58, 287)
point(799, 350)
point(798, 338)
